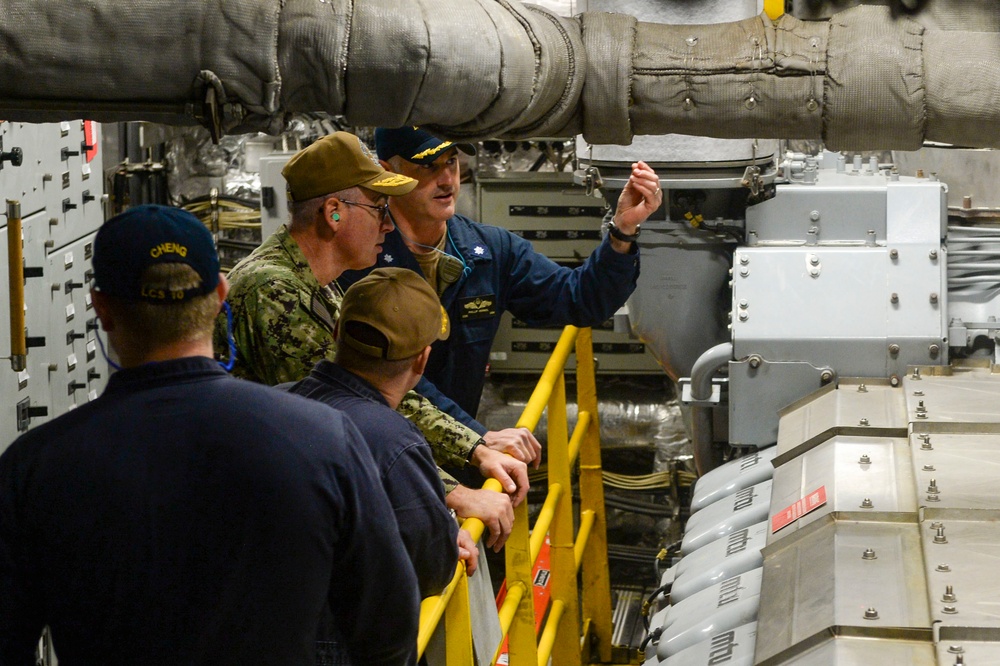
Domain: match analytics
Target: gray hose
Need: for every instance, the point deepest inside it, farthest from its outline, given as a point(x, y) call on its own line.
point(705, 368)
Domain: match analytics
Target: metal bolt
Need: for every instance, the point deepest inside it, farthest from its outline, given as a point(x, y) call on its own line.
point(862, 388)
point(916, 374)
point(894, 380)
point(939, 537)
point(920, 173)
point(744, 303)
point(933, 255)
point(934, 350)
point(869, 554)
point(814, 216)
point(921, 415)
point(929, 468)
point(920, 406)
point(813, 259)
point(918, 393)
point(956, 649)
point(959, 660)
point(943, 568)
point(864, 460)
point(812, 104)
point(744, 316)
point(863, 422)
point(893, 349)
point(949, 594)
point(894, 298)
point(688, 104)
point(967, 201)
point(932, 487)
point(814, 272)
point(950, 610)
point(691, 41)
point(933, 498)
point(894, 254)
point(744, 272)
point(866, 503)
point(937, 524)
point(826, 376)
point(744, 259)
point(755, 361)
point(934, 298)
point(871, 613)
point(750, 103)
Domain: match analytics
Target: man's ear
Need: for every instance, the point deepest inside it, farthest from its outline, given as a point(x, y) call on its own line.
point(222, 289)
point(100, 302)
point(420, 361)
point(332, 210)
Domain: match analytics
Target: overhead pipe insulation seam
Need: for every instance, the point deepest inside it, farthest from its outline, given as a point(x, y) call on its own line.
point(476, 69)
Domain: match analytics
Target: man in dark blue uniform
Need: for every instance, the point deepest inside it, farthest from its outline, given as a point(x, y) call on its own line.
point(480, 271)
point(185, 517)
point(387, 322)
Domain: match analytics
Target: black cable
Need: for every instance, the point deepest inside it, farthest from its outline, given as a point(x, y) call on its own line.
point(644, 613)
point(651, 636)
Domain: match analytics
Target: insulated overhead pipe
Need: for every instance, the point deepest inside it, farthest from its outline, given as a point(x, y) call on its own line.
point(475, 69)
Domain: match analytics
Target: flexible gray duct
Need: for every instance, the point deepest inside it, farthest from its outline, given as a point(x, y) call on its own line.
point(495, 68)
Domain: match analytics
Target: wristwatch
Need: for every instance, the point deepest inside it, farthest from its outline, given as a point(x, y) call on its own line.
point(617, 233)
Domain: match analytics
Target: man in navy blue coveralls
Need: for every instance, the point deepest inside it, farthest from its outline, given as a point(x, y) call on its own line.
point(480, 271)
point(186, 517)
point(387, 323)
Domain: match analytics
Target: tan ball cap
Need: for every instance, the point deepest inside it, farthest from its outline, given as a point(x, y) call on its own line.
point(337, 162)
point(399, 304)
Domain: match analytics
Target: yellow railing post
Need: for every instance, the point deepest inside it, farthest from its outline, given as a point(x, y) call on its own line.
point(587, 552)
point(566, 647)
point(521, 643)
point(596, 579)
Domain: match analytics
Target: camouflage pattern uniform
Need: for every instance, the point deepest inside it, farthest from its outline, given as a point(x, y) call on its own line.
point(283, 324)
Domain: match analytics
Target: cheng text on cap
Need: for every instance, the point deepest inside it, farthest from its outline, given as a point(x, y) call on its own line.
point(399, 304)
point(338, 162)
point(414, 145)
point(129, 243)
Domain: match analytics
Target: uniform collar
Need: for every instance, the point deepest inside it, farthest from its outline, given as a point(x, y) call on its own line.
point(165, 372)
point(330, 373)
point(295, 255)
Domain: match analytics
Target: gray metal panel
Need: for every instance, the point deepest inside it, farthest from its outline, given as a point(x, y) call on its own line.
point(823, 209)
point(758, 395)
point(818, 579)
point(833, 306)
point(856, 407)
point(973, 652)
point(969, 395)
point(852, 470)
point(961, 550)
point(962, 467)
point(564, 210)
point(836, 649)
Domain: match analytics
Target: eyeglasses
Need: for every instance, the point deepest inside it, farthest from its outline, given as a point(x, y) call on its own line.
point(383, 210)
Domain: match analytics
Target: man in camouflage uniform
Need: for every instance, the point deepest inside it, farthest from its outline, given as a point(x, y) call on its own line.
point(285, 302)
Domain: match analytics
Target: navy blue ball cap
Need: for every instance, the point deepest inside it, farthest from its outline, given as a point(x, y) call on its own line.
point(414, 144)
point(129, 243)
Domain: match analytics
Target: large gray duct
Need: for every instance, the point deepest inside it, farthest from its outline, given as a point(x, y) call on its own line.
point(495, 68)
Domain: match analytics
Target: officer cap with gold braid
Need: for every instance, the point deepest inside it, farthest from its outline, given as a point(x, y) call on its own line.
point(414, 145)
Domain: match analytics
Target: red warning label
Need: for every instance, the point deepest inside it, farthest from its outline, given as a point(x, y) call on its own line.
point(790, 514)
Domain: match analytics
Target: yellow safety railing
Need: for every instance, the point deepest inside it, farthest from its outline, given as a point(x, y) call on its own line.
point(564, 638)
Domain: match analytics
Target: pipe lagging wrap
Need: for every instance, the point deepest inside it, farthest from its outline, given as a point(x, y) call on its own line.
point(476, 69)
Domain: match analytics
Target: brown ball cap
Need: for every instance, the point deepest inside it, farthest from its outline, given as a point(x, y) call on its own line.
point(399, 304)
point(337, 162)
